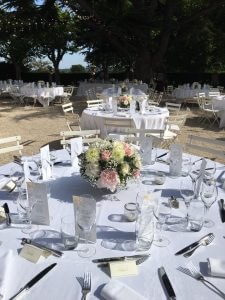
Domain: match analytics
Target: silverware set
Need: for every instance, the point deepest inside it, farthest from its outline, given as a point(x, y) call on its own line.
point(192, 271)
point(190, 249)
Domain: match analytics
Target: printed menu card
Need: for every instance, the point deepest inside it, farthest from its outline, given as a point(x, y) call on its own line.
point(38, 200)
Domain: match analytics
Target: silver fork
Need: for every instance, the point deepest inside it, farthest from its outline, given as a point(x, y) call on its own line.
point(192, 271)
point(205, 242)
point(86, 287)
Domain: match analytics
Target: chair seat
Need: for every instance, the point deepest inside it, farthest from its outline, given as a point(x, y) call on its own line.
point(173, 127)
point(168, 135)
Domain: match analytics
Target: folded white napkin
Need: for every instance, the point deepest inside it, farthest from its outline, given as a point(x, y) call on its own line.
point(76, 149)
point(216, 267)
point(15, 272)
point(116, 290)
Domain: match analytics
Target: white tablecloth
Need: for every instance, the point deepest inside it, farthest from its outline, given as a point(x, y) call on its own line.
point(92, 119)
point(61, 282)
point(183, 93)
point(99, 87)
point(43, 95)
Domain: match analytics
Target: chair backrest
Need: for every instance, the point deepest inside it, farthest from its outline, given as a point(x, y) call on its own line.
point(111, 123)
point(134, 135)
point(201, 95)
point(214, 94)
point(89, 136)
point(178, 119)
point(67, 108)
point(220, 88)
point(159, 97)
point(94, 103)
point(173, 106)
point(169, 89)
point(10, 140)
point(206, 145)
point(91, 94)
point(68, 90)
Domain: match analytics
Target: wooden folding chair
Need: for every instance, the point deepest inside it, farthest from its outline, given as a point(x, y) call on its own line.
point(9, 140)
point(89, 136)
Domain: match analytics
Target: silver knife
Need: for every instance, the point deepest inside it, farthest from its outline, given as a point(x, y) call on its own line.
point(52, 251)
point(118, 258)
point(193, 245)
point(33, 281)
point(139, 261)
point(167, 284)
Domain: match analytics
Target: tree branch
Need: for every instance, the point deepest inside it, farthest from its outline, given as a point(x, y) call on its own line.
point(202, 13)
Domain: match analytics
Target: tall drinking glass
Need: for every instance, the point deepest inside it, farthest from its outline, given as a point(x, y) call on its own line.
point(164, 212)
point(187, 190)
point(24, 208)
point(86, 216)
point(209, 193)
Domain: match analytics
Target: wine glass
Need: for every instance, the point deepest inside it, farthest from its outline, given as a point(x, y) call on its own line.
point(186, 166)
point(209, 193)
point(187, 191)
point(210, 170)
point(24, 208)
point(86, 216)
point(164, 212)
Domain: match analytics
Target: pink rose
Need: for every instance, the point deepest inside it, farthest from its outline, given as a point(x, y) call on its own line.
point(136, 173)
point(106, 155)
point(128, 150)
point(108, 179)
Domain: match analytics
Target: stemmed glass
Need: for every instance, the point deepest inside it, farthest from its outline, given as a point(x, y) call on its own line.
point(164, 212)
point(186, 166)
point(209, 193)
point(210, 169)
point(86, 216)
point(187, 191)
point(25, 208)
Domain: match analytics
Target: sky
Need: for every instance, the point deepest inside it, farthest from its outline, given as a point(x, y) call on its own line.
point(74, 59)
point(68, 59)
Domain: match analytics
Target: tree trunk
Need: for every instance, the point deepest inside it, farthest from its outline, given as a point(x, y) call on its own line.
point(57, 75)
point(143, 66)
point(18, 71)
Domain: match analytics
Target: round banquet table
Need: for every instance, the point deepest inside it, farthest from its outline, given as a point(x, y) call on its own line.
point(61, 282)
point(183, 93)
point(85, 86)
point(43, 95)
point(93, 118)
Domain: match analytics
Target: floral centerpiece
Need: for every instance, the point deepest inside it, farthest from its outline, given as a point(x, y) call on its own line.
point(110, 164)
point(124, 101)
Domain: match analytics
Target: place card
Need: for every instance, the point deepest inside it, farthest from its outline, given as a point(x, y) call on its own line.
point(10, 186)
point(46, 163)
point(2, 215)
point(38, 198)
point(33, 254)
point(200, 177)
point(175, 160)
point(123, 268)
point(90, 236)
point(76, 149)
point(146, 150)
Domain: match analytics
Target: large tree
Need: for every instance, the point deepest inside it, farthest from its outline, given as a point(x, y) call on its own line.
point(141, 29)
point(59, 37)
